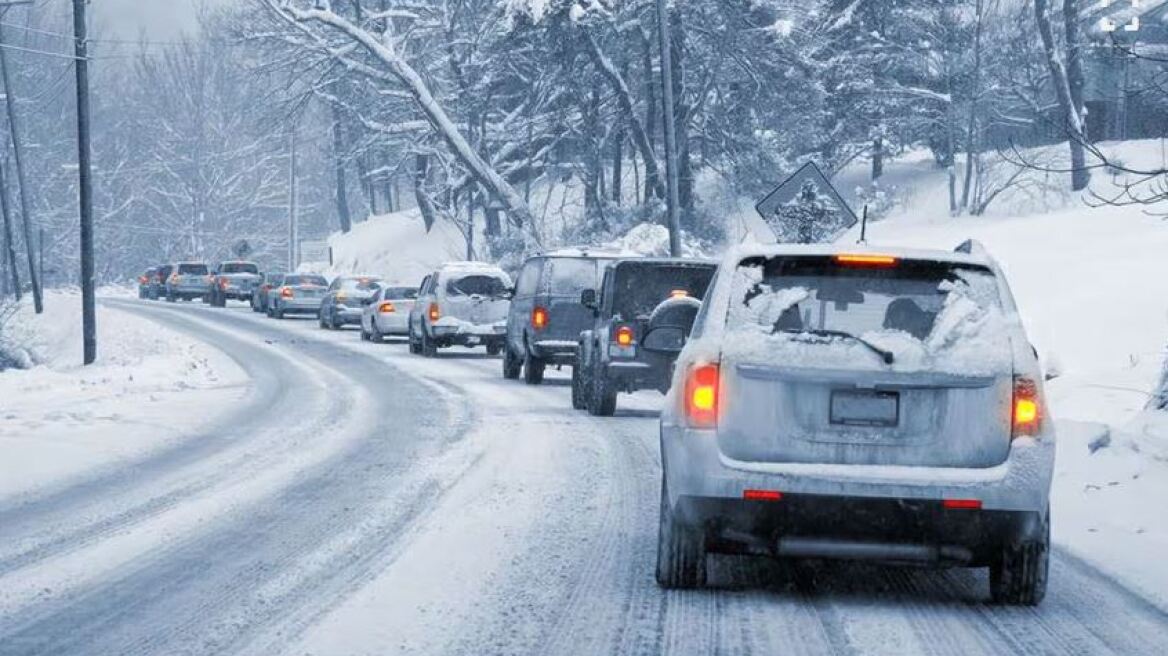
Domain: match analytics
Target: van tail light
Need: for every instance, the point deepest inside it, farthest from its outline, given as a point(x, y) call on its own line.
point(1026, 409)
point(624, 336)
point(701, 395)
point(539, 318)
point(386, 308)
point(433, 313)
point(286, 292)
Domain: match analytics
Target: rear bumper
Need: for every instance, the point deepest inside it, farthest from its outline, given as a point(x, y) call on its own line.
point(857, 528)
point(695, 467)
point(633, 375)
point(345, 314)
point(187, 290)
point(299, 305)
point(469, 334)
point(554, 351)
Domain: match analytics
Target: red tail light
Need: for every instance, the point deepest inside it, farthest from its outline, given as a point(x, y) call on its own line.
point(286, 292)
point(701, 396)
point(222, 283)
point(624, 336)
point(762, 495)
point(539, 318)
point(433, 313)
point(386, 308)
point(174, 278)
point(961, 504)
point(141, 280)
point(1026, 410)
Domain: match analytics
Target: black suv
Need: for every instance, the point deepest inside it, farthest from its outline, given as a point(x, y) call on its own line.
point(546, 317)
point(636, 336)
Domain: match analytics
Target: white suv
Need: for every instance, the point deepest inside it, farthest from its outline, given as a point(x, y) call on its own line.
point(461, 304)
point(859, 405)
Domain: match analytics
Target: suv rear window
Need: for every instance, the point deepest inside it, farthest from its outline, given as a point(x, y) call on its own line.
point(359, 284)
point(572, 275)
point(193, 269)
point(480, 284)
point(239, 267)
point(305, 280)
point(406, 293)
point(639, 287)
point(792, 308)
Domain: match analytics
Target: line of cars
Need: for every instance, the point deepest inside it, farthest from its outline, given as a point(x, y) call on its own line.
point(820, 403)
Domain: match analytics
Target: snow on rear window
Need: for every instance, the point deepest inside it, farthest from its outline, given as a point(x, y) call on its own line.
point(239, 267)
point(480, 285)
point(809, 311)
point(572, 275)
point(193, 269)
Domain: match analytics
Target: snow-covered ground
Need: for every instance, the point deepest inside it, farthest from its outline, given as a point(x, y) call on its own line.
point(60, 421)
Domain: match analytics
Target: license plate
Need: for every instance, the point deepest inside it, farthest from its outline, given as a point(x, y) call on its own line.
point(865, 408)
point(472, 340)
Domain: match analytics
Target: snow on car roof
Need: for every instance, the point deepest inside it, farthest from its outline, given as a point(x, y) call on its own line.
point(584, 251)
point(976, 257)
point(471, 267)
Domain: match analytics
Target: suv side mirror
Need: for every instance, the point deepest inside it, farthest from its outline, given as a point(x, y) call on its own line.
point(588, 298)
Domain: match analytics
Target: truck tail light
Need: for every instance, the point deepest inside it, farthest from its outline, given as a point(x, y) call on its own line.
point(624, 336)
point(539, 318)
point(434, 313)
point(386, 308)
point(286, 292)
point(1026, 409)
point(701, 395)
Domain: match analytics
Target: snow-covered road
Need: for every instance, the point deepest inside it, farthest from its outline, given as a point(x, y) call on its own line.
point(359, 500)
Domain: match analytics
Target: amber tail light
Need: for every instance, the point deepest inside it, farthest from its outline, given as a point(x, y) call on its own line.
point(286, 292)
point(701, 395)
point(433, 312)
point(386, 308)
point(539, 318)
point(1026, 409)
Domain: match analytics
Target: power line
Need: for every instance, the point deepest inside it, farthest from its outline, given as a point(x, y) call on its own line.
point(60, 55)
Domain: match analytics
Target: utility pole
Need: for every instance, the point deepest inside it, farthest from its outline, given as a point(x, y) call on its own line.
point(18, 152)
point(672, 199)
point(88, 301)
point(293, 193)
point(9, 246)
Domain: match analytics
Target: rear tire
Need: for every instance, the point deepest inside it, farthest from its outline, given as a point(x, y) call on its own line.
point(364, 335)
point(375, 335)
point(512, 365)
point(533, 370)
point(1018, 576)
point(681, 549)
point(602, 398)
point(429, 348)
point(493, 348)
point(577, 392)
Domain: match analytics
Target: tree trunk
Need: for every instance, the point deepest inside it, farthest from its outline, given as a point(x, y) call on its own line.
point(877, 158)
point(421, 172)
point(971, 139)
point(681, 113)
point(625, 100)
point(343, 214)
point(10, 262)
point(652, 179)
point(1080, 176)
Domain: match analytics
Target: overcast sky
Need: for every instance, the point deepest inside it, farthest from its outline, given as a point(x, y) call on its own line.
point(160, 19)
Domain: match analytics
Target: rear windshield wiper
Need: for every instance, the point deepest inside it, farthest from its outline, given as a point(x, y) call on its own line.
point(885, 355)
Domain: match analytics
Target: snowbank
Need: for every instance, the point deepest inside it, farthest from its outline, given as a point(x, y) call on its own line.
point(396, 247)
point(59, 420)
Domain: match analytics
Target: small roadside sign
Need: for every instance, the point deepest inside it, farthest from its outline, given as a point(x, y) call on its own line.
point(805, 208)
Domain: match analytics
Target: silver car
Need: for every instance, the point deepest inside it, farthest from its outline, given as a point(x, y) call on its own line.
point(188, 280)
point(298, 293)
point(461, 304)
point(388, 313)
point(857, 405)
